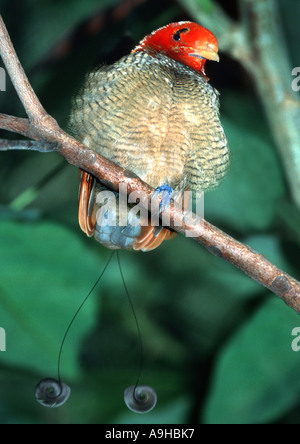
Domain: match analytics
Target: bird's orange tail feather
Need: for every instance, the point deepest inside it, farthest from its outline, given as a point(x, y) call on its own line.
point(150, 236)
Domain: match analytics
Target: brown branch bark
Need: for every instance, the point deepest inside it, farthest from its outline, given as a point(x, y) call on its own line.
point(32, 145)
point(42, 127)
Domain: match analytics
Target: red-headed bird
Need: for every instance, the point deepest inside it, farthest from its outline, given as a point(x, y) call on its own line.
point(154, 113)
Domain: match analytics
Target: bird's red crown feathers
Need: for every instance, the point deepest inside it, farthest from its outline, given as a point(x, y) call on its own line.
point(186, 42)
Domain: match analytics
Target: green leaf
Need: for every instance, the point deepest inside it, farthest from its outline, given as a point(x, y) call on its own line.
point(257, 374)
point(44, 23)
point(45, 273)
point(290, 215)
point(206, 5)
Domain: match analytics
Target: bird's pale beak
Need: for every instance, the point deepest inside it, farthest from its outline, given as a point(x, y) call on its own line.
point(209, 52)
point(210, 55)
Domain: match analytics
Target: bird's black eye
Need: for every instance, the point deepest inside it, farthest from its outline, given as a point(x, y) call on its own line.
point(177, 35)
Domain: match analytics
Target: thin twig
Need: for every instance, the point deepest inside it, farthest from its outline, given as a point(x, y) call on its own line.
point(43, 127)
point(27, 145)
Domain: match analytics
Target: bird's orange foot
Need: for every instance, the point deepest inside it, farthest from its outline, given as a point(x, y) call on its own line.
point(167, 193)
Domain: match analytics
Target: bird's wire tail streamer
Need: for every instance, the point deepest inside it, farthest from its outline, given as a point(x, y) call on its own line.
point(54, 393)
point(136, 322)
point(76, 314)
point(138, 398)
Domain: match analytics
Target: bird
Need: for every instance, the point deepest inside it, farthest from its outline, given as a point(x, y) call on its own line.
point(154, 113)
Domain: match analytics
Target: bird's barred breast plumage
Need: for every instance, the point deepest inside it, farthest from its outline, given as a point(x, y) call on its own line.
point(155, 117)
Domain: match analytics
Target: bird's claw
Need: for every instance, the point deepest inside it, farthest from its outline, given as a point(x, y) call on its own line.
point(167, 193)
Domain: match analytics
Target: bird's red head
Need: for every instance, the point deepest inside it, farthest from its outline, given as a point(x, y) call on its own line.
point(186, 42)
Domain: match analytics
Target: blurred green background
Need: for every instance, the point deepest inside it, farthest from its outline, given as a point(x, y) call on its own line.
point(217, 345)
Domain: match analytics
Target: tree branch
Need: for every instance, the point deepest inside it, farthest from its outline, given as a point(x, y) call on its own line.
point(15, 124)
point(257, 42)
point(42, 127)
point(26, 94)
point(29, 145)
point(272, 75)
